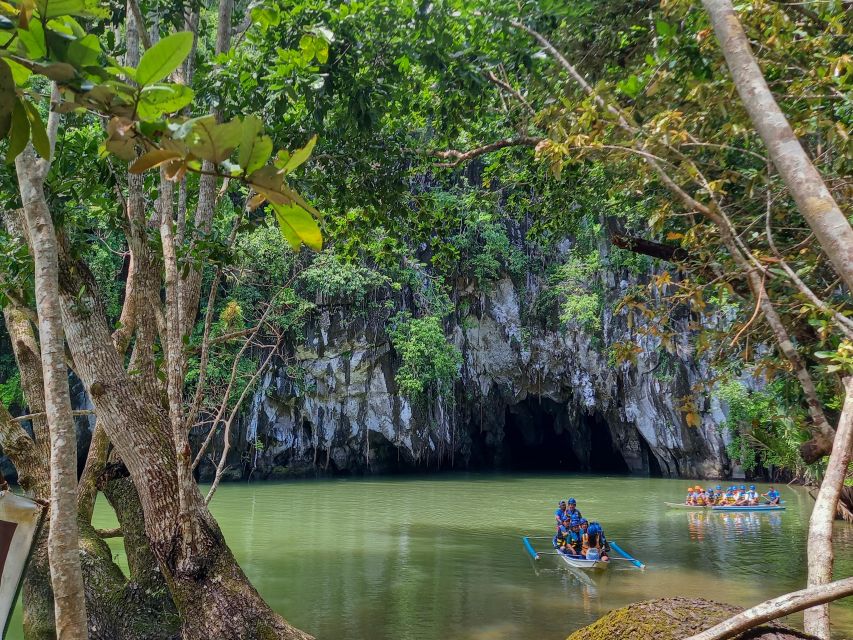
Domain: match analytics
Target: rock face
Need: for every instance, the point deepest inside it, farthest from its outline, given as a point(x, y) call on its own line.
point(528, 397)
point(675, 619)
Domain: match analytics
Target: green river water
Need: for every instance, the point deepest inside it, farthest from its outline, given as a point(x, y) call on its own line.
point(441, 557)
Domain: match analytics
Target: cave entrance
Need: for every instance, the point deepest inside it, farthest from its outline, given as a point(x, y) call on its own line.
point(535, 438)
point(604, 456)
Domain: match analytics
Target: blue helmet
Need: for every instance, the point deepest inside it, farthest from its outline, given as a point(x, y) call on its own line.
point(572, 501)
point(575, 519)
point(719, 488)
point(743, 487)
point(595, 528)
point(584, 521)
point(752, 486)
point(561, 503)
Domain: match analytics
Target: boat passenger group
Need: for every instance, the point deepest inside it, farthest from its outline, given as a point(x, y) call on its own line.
point(576, 537)
point(733, 496)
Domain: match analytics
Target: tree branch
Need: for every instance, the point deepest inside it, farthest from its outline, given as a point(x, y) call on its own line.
point(776, 608)
point(458, 157)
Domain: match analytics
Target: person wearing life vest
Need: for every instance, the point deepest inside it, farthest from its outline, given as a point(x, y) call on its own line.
point(559, 540)
point(740, 497)
point(597, 541)
point(772, 496)
point(572, 509)
point(574, 543)
point(560, 513)
point(752, 495)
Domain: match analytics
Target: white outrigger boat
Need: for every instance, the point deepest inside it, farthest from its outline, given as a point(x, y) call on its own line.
point(582, 563)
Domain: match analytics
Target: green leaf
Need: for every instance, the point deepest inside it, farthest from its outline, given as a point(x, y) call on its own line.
point(8, 97)
point(631, 87)
point(19, 72)
point(153, 159)
point(255, 149)
point(297, 226)
point(211, 141)
point(300, 155)
point(84, 52)
point(164, 57)
point(33, 40)
point(37, 132)
point(19, 134)
point(158, 99)
point(86, 8)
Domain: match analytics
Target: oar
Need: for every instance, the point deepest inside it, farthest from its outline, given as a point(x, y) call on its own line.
point(626, 555)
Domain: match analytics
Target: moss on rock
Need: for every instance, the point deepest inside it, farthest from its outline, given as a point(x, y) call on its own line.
point(674, 619)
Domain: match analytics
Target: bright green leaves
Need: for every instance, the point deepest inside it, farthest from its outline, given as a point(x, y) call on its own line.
point(163, 58)
point(298, 226)
point(83, 8)
point(181, 147)
point(255, 148)
point(159, 99)
point(631, 86)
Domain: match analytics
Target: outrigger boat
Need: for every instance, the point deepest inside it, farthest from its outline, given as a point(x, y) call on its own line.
point(755, 507)
point(577, 562)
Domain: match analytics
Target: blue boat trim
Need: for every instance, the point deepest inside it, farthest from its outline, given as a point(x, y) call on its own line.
point(530, 548)
point(626, 555)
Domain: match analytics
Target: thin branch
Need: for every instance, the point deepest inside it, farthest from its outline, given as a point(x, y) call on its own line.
point(509, 89)
point(42, 414)
point(458, 157)
point(226, 437)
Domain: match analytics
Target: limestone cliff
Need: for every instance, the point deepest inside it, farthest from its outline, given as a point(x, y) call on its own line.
point(528, 397)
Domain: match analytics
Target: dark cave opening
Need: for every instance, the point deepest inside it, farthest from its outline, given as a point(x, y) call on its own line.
point(534, 440)
point(655, 470)
point(604, 456)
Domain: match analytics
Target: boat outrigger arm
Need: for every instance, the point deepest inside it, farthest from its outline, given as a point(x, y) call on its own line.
point(613, 546)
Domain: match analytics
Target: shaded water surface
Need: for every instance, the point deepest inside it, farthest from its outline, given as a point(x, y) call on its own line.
point(440, 558)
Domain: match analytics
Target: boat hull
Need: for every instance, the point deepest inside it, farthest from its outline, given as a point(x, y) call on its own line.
point(760, 507)
point(587, 565)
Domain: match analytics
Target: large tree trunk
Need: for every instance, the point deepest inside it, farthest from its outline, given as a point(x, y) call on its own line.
point(213, 596)
point(820, 551)
point(813, 199)
point(63, 550)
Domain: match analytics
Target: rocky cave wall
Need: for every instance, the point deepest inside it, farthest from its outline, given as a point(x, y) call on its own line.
point(528, 398)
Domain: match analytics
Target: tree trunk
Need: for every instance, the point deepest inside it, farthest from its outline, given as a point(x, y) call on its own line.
point(813, 199)
point(820, 551)
point(63, 550)
point(212, 594)
point(776, 608)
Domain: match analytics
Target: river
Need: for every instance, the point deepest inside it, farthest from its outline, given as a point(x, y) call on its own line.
point(441, 557)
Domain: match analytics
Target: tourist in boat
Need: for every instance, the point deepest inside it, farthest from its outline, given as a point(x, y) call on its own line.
point(572, 509)
point(574, 541)
point(560, 538)
point(560, 513)
point(741, 499)
point(752, 496)
point(597, 541)
point(772, 496)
